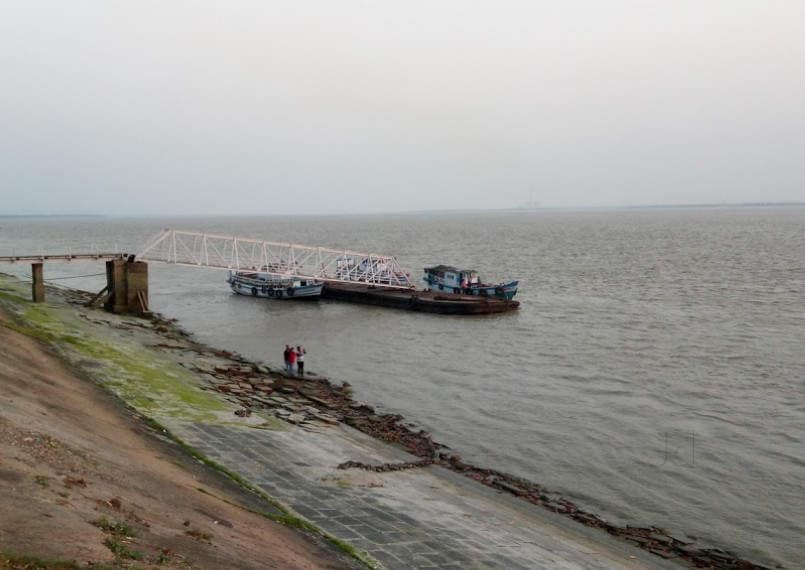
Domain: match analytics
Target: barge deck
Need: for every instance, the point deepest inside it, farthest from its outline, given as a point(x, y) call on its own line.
point(414, 300)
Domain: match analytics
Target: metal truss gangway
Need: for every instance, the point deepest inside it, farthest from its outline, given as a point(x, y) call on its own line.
point(232, 253)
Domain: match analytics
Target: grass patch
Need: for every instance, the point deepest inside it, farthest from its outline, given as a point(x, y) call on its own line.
point(11, 294)
point(145, 382)
point(164, 557)
point(199, 535)
point(31, 332)
point(120, 529)
point(42, 480)
point(22, 562)
point(119, 532)
point(122, 551)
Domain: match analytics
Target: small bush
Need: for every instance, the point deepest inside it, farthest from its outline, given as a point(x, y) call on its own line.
point(121, 551)
point(120, 529)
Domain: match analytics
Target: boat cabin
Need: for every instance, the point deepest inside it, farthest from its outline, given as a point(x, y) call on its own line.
point(466, 281)
point(452, 277)
point(269, 280)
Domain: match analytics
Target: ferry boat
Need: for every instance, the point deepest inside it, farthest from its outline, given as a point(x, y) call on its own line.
point(466, 282)
point(273, 286)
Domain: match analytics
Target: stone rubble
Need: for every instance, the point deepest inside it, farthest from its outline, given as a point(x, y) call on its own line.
point(386, 467)
point(329, 404)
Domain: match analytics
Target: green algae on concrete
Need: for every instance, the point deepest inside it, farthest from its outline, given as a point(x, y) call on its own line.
point(271, 423)
point(144, 379)
point(152, 384)
point(148, 383)
point(32, 318)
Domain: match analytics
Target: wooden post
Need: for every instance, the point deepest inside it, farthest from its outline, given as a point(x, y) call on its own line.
point(38, 283)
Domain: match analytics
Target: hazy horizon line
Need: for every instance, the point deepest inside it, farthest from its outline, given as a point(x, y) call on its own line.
point(513, 209)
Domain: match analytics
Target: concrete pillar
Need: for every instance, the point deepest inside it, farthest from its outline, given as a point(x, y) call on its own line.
point(128, 283)
point(38, 283)
point(137, 287)
point(116, 278)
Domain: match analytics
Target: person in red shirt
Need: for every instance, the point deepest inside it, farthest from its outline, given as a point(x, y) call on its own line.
point(288, 367)
point(291, 360)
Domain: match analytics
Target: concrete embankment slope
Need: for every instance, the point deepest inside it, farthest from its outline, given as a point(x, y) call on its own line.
point(84, 483)
point(288, 454)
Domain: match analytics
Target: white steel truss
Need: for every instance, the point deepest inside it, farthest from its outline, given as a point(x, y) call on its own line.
point(284, 259)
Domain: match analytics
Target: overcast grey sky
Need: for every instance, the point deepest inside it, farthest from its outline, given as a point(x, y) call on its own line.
point(166, 107)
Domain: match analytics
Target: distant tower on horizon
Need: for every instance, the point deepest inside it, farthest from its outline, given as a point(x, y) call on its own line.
point(531, 204)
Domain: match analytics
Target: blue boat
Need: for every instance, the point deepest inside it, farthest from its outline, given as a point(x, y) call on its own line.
point(273, 286)
point(466, 282)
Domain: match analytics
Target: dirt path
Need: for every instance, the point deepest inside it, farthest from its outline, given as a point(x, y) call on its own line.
point(83, 480)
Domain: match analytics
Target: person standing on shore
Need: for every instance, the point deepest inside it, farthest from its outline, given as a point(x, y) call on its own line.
point(287, 356)
point(300, 360)
point(291, 360)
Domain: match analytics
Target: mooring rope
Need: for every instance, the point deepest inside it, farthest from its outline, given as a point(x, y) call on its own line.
point(75, 276)
point(69, 277)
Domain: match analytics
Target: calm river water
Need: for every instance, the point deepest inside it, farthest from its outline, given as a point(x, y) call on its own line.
point(654, 374)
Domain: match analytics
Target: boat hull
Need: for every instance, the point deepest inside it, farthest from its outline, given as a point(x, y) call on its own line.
point(505, 291)
point(268, 290)
point(420, 301)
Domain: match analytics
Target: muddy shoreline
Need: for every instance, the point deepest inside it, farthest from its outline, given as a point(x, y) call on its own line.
point(314, 402)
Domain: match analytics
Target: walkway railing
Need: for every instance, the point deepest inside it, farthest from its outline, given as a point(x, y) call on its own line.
point(282, 259)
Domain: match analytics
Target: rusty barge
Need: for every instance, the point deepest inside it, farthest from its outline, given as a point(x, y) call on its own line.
point(417, 300)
